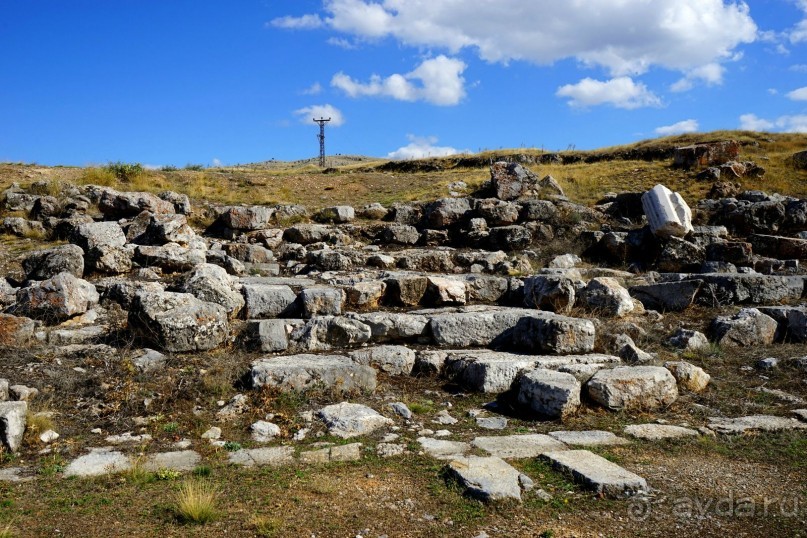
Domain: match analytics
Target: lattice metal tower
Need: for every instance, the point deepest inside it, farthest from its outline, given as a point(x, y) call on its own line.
point(321, 136)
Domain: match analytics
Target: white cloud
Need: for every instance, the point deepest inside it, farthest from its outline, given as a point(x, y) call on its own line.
point(799, 32)
point(786, 124)
point(621, 92)
point(799, 68)
point(420, 147)
point(710, 74)
point(624, 37)
point(773, 91)
point(342, 43)
point(216, 163)
point(685, 126)
point(306, 22)
point(750, 122)
point(441, 83)
point(798, 95)
point(314, 89)
point(307, 114)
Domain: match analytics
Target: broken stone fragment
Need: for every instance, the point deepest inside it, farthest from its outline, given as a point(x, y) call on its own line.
point(667, 212)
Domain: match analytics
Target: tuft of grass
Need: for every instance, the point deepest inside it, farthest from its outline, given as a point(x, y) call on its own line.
point(232, 446)
point(36, 424)
point(266, 526)
point(98, 176)
point(171, 427)
point(138, 475)
point(202, 471)
point(196, 502)
point(7, 532)
point(422, 407)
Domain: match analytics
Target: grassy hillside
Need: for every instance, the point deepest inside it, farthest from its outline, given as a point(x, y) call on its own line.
point(359, 180)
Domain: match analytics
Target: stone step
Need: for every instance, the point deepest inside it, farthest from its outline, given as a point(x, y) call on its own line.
point(597, 473)
point(518, 446)
point(495, 371)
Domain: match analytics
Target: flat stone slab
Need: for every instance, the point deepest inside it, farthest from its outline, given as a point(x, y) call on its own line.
point(588, 438)
point(100, 461)
point(597, 473)
point(273, 456)
point(16, 475)
point(487, 478)
point(767, 423)
point(348, 420)
point(303, 372)
point(443, 450)
point(518, 446)
point(181, 460)
point(350, 452)
point(657, 432)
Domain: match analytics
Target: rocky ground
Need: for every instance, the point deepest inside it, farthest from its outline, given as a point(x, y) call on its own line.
point(497, 364)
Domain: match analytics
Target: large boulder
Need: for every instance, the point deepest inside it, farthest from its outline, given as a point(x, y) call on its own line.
point(511, 180)
point(667, 296)
point(447, 212)
point(606, 296)
point(642, 388)
point(212, 284)
point(92, 235)
point(117, 205)
point(44, 264)
point(748, 328)
point(706, 154)
point(549, 393)
point(15, 331)
point(347, 420)
point(13, 416)
point(246, 218)
point(56, 299)
point(513, 237)
point(551, 292)
point(333, 373)
point(268, 300)
point(170, 257)
point(178, 322)
point(689, 376)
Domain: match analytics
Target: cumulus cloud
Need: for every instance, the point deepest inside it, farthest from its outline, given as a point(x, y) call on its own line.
point(710, 74)
point(624, 37)
point(798, 95)
point(306, 22)
point(621, 92)
point(438, 81)
point(216, 163)
point(420, 147)
point(685, 126)
point(307, 114)
point(786, 124)
point(799, 32)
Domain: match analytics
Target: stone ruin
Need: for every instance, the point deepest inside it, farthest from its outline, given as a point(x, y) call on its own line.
point(455, 288)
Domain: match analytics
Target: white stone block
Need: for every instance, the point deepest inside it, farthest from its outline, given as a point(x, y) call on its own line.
point(667, 212)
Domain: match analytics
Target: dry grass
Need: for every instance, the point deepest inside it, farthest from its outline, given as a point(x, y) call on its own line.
point(360, 182)
point(196, 502)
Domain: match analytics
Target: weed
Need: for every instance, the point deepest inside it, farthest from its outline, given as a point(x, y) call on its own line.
point(422, 407)
point(54, 464)
point(167, 474)
point(196, 502)
point(138, 475)
point(232, 446)
point(202, 471)
point(171, 427)
point(195, 167)
point(266, 526)
point(169, 168)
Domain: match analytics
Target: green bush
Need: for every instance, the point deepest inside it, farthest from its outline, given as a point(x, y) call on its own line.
point(125, 171)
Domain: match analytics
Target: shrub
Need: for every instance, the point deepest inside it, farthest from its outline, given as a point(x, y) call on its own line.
point(194, 167)
point(125, 171)
point(196, 502)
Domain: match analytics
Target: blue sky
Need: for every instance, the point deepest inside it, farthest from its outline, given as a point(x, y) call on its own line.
point(203, 81)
